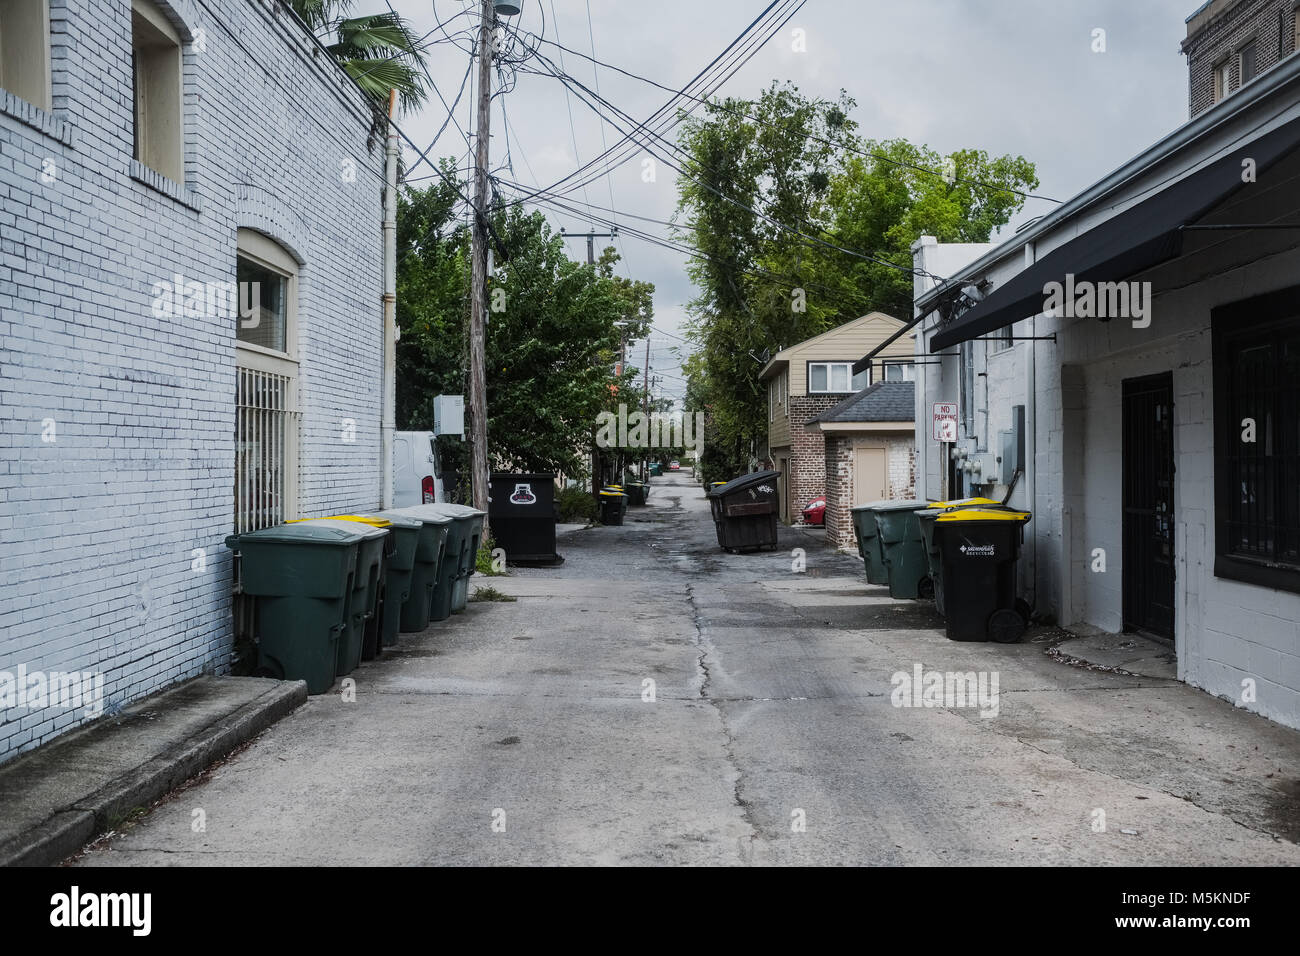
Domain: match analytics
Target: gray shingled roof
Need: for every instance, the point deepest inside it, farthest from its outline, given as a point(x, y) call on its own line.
point(882, 402)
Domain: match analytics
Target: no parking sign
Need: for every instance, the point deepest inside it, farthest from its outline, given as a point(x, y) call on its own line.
point(945, 421)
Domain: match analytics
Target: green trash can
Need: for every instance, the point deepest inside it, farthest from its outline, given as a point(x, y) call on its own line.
point(979, 548)
point(432, 575)
point(363, 617)
point(301, 577)
point(407, 534)
point(463, 537)
point(904, 553)
point(656, 469)
point(925, 518)
point(868, 535)
point(636, 493)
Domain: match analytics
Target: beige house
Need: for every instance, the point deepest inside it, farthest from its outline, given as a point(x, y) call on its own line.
point(807, 379)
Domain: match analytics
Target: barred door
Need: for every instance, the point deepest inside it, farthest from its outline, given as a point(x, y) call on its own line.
point(1148, 523)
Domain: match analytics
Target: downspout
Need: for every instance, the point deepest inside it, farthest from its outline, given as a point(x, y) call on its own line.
point(388, 424)
point(1031, 436)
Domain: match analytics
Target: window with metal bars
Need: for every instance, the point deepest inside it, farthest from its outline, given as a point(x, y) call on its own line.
point(265, 423)
point(1257, 440)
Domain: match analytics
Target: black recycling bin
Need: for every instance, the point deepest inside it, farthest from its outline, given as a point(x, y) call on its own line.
point(744, 512)
point(612, 505)
point(637, 492)
point(979, 548)
point(521, 511)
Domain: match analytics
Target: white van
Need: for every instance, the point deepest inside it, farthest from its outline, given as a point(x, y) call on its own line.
point(417, 472)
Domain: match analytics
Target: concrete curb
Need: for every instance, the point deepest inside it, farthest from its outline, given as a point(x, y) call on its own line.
point(70, 828)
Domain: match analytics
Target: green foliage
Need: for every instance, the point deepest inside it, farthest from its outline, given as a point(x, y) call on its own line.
point(483, 563)
point(491, 594)
point(552, 336)
point(377, 50)
point(800, 161)
point(576, 506)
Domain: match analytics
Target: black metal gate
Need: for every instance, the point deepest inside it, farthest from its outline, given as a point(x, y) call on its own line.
point(1148, 477)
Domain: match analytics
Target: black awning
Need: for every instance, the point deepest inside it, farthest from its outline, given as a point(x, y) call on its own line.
point(1137, 239)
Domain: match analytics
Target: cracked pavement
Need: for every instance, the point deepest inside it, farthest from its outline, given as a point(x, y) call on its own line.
point(517, 733)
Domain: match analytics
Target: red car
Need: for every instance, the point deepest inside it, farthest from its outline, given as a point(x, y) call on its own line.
point(815, 513)
point(674, 466)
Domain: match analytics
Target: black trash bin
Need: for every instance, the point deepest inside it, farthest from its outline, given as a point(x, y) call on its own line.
point(979, 548)
point(612, 505)
point(744, 512)
point(521, 511)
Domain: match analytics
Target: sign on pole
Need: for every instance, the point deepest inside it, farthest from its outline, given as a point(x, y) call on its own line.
point(945, 421)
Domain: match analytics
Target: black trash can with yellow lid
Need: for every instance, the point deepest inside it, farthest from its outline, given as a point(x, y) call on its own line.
point(978, 548)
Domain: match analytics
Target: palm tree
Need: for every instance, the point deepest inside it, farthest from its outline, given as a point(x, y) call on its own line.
point(377, 50)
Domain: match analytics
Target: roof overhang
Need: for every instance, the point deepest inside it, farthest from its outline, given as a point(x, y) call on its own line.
point(857, 427)
point(1147, 233)
point(1277, 89)
point(772, 367)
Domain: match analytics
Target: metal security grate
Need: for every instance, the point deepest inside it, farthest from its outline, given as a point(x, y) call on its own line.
point(1263, 503)
point(1148, 505)
point(265, 419)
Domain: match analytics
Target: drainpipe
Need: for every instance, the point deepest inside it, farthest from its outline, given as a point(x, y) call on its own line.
point(390, 308)
point(1031, 436)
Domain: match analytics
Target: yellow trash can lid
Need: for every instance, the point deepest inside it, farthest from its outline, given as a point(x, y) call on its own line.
point(362, 519)
point(982, 514)
point(964, 503)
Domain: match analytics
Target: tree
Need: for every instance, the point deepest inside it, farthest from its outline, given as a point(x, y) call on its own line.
point(829, 239)
point(377, 50)
point(553, 331)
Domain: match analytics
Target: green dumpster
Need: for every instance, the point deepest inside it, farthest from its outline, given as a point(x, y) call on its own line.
point(432, 575)
point(301, 577)
point(363, 617)
point(873, 556)
point(398, 569)
point(903, 550)
point(656, 469)
point(925, 518)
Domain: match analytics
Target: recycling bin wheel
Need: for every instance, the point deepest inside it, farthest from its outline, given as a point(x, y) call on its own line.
point(925, 589)
point(1006, 626)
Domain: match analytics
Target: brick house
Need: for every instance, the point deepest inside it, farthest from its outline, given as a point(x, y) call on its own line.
point(1230, 43)
point(190, 303)
point(870, 453)
point(807, 379)
point(1125, 368)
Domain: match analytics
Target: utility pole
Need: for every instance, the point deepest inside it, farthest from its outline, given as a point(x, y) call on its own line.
point(645, 406)
point(479, 259)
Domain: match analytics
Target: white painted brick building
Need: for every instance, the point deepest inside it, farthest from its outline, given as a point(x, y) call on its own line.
point(119, 423)
point(1203, 549)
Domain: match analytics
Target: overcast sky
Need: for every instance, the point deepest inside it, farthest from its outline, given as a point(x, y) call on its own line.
point(1006, 76)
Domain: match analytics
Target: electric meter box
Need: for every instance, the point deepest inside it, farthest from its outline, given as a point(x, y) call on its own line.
point(449, 415)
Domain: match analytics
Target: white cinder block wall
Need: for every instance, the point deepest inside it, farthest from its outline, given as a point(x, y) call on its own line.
point(98, 528)
point(1225, 631)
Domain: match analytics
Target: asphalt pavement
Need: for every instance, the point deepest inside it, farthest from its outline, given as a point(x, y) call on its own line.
point(657, 701)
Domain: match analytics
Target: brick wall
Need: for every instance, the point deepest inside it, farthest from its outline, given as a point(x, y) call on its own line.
point(807, 449)
point(841, 498)
point(838, 476)
point(1270, 23)
point(111, 535)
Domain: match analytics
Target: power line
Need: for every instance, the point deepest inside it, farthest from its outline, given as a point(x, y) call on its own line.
point(817, 139)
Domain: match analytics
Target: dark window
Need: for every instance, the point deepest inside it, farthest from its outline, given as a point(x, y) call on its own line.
point(1257, 440)
point(260, 319)
point(1249, 62)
